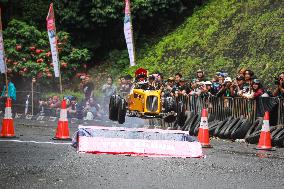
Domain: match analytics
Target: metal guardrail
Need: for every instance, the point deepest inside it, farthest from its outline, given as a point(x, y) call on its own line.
point(223, 107)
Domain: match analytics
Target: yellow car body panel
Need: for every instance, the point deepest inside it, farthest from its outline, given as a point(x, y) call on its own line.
point(138, 99)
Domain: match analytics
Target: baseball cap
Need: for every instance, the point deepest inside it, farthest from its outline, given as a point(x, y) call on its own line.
point(256, 81)
point(171, 79)
point(228, 79)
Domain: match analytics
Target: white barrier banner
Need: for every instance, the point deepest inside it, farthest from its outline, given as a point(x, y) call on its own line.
point(52, 39)
point(128, 33)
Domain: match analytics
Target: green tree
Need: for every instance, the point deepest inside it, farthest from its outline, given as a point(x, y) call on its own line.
point(28, 52)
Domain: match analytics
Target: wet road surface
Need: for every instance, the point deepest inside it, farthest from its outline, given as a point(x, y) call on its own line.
point(48, 165)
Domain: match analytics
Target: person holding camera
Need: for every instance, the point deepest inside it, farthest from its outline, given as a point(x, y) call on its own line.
point(279, 91)
point(225, 90)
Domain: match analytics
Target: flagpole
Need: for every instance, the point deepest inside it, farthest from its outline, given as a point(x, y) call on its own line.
point(6, 76)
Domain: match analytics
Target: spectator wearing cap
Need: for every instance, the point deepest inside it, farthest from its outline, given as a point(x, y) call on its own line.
point(225, 90)
point(238, 86)
point(257, 90)
point(221, 77)
point(200, 76)
point(216, 86)
point(206, 88)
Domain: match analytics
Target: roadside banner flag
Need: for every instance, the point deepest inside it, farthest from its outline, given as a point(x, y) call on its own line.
point(51, 29)
point(2, 55)
point(128, 33)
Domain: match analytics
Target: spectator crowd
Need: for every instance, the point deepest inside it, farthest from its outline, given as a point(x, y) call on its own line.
point(245, 85)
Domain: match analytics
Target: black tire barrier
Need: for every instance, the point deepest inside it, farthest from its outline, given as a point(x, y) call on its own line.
point(181, 113)
point(220, 126)
point(279, 137)
point(253, 138)
point(275, 130)
point(121, 111)
point(224, 128)
point(192, 124)
point(188, 116)
point(241, 131)
point(195, 133)
point(212, 127)
point(195, 124)
point(254, 127)
point(230, 127)
point(236, 127)
point(211, 117)
point(170, 119)
point(189, 121)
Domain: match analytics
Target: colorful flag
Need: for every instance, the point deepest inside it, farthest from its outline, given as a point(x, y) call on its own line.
point(50, 21)
point(128, 33)
point(2, 55)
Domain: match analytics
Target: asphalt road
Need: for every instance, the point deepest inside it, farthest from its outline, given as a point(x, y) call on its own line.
point(47, 165)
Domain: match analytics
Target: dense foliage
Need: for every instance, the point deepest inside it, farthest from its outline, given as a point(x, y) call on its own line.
point(28, 52)
point(223, 35)
point(98, 24)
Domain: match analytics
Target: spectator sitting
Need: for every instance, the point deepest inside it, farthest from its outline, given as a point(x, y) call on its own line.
point(44, 106)
point(55, 105)
point(72, 108)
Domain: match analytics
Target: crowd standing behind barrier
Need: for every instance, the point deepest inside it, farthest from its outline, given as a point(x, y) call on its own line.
point(243, 96)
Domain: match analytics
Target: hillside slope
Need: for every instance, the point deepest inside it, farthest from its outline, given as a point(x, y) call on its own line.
point(223, 34)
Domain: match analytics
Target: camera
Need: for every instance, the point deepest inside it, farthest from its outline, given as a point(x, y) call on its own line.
point(276, 81)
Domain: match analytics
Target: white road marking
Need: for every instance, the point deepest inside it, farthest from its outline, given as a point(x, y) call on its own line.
point(36, 142)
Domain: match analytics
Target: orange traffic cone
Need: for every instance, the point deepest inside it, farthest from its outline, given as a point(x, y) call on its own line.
point(8, 122)
point(203, 132)
point(62, 131)
point(264, 142)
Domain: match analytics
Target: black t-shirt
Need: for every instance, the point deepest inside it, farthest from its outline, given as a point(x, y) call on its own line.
point(88, 88)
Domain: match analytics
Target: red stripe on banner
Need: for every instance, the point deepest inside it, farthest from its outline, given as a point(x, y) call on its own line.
point(138, 147)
